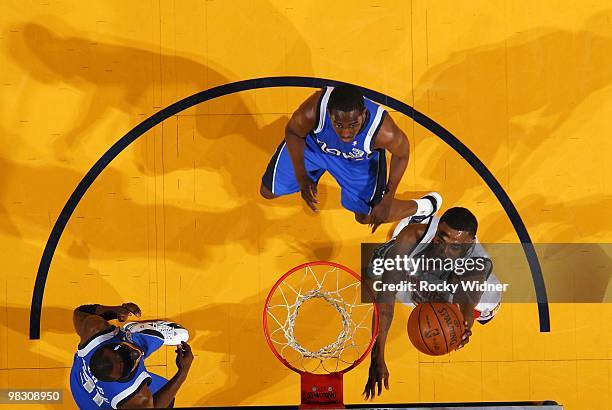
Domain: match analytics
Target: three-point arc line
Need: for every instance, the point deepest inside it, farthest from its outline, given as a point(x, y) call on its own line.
point(269, 82)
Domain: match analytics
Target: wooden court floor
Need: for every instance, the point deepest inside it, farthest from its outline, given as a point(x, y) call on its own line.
point(176, 224)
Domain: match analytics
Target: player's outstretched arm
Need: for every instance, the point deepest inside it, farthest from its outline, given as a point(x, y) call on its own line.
point(301, 123)
point(184, 358)
point(91, 319)
point(467, 301)
point(392, 139)
point(378, 374)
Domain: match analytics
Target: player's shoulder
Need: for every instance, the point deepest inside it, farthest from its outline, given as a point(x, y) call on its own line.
point(92, 327)
point(95, 339)
point(305, 117)
point(140, 398)
point(310, 105)
point(388, 132)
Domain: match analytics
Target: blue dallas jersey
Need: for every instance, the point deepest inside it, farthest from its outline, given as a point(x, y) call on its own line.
point(361, 148)
point(91, 393)
point(357, 166)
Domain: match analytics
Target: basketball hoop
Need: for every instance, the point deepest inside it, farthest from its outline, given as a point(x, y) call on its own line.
point(338, 290)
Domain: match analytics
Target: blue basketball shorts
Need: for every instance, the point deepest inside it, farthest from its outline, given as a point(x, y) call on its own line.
point(362, 183)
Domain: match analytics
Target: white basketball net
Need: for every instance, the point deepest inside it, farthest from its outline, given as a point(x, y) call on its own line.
point(294, 297)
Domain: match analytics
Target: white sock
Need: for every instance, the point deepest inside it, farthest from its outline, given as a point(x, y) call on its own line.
point(424, 207)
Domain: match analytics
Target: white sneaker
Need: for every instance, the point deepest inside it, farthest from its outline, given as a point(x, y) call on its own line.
point(427, 206)
point(173, 333)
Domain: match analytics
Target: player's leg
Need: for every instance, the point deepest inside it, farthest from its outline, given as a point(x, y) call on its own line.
point(278, 169)
point(400, 208)
point(414, 219)
point(363, 186)
point(405, 208)
point(279, 178)
point(360, 183)
point(364, 192)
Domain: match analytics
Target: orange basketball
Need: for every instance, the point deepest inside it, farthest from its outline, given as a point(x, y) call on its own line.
point(435, 328)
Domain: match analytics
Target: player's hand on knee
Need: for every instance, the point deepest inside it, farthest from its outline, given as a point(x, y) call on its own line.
point(308, 189)
point(380, 213)
point(125, 310)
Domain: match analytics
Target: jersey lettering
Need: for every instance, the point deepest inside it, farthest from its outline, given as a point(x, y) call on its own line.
point(355, 154)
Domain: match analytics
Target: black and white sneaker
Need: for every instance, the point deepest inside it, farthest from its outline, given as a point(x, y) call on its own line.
point(427, 206)
point(173, 333)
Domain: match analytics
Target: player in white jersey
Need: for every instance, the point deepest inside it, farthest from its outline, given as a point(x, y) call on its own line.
point(489, 301)
point(451, 237)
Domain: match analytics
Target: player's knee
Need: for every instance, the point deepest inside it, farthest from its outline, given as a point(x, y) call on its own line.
point(265, 192)
point(362, 218)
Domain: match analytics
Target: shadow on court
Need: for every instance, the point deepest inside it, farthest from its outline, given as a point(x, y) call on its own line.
point(219, 137)
point(222, 138)
point(505, 100)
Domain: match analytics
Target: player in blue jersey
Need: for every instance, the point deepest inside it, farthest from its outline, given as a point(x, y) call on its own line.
point(108, 370)
point(339, 131)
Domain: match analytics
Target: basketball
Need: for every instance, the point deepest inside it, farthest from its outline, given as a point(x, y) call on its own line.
point(435, 328)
